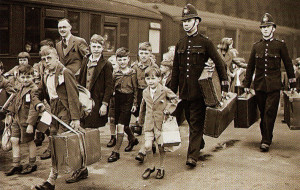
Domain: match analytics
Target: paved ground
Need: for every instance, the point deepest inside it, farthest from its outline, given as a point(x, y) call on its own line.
point(232, 161)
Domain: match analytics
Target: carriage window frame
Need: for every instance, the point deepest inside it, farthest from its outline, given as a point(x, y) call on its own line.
point(5, 29)
point(108, 46)
point(154, 36)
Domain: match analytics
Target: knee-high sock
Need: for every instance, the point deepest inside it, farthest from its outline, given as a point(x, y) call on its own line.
point(129, 133)
point(119, 142)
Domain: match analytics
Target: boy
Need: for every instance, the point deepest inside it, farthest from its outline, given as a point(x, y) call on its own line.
point(24, 120)
point(158, 101)
point(265, 59)
point(125, 89)
point(144, 53)
point(59, 88)
point(4, 83)
point(96, 75)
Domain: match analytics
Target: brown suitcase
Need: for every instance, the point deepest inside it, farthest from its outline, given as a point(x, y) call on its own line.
point(66, 150)
point(210, 86)
point(246, 111)
point(292, 110)
point(217, 119)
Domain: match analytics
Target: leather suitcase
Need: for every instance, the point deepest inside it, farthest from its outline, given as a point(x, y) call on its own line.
point(210, 86)
point(292, 110)
point(218, 118)
point(67, 155)
point(246, 111)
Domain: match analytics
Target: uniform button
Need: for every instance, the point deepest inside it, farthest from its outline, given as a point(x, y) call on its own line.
point(189, 46)
point(265, 70)
point(266, 60)
point(187, 64)
point(267, 44)
point(189, 40)
point(188, 58)
point(266, 54)
point(265, 75)
point(188, 52)
point(187, 70)
point(266, 49)
point(187, 75)
point(266, 65)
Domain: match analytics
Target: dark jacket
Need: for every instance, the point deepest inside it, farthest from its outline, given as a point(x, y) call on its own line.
point(77, 48)
point(265, 59)
point(101, 88)
point(191, 53)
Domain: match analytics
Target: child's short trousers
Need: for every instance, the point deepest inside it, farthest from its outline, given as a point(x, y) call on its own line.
point(149, 136)
point(20, 132)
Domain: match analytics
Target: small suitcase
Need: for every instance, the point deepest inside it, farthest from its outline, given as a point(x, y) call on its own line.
point(217, 119)
point(66, 150)
point(246, 111)
point(292, 110)
point(210, 86)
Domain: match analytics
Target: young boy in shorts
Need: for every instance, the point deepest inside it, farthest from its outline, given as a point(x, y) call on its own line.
point(24, 120)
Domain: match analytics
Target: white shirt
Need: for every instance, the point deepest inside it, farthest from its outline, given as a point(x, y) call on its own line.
point(51, 86)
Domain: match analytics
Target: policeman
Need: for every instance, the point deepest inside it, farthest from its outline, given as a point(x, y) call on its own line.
point(191, 53)
point(265, 59)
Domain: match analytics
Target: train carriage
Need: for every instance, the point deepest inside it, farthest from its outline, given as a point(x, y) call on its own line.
point(121, 23)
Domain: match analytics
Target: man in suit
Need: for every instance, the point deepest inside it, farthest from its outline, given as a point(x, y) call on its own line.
point(265, 59)
point(191, 53)
point(71, 49)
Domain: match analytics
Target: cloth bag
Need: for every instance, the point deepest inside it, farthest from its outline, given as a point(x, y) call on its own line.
point(6, 142)
point(170, 132)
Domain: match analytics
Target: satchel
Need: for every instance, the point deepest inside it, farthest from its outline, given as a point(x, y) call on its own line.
point(6, 142)
point(86, 102)
point(170, 132)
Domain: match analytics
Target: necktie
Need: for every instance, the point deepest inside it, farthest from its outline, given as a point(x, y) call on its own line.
point(64, 43)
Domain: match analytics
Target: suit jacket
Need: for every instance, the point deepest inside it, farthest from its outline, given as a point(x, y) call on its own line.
point(101, 88)
point(265, 59)
point(23, 106)
point(66, 89)
point(77, 48)
point(151, 111)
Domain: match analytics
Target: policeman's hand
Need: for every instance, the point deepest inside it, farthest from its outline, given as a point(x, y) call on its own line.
point(40, 107)
point(247, 90)
point(29, 129)
point(167, 112)
point(133, 109)
point(103, 110)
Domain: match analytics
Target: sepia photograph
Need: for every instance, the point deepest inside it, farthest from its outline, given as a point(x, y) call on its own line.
point(149, 94)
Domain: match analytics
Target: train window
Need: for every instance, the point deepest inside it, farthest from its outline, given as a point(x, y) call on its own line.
point(124, 32)
point(4, 29)
point(51, 31)
point(95, 24)
point(74, 18)
point(110, 36)
point(32, 28)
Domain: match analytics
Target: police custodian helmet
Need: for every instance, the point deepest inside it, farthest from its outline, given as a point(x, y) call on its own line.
point(267, 20)
point(188, 12)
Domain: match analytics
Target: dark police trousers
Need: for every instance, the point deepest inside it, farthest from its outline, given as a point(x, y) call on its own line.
point(268, 106)
point(195, 115)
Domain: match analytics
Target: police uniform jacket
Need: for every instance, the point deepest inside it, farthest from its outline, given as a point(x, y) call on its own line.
point(265, 59)
point(191, 53)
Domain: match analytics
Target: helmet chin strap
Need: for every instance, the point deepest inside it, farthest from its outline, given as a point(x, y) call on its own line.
point(191, 27)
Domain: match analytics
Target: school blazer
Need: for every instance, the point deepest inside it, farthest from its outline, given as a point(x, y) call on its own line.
point(151, 111)
point(77, 48)
point(66, 89)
